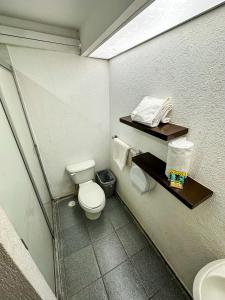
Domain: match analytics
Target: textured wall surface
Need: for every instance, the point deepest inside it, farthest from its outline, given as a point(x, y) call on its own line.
point(188, 64)
point(20, 278)
point(13, 284)
point(67, 99)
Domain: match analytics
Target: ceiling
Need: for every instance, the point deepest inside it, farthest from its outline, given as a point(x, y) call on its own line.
point(65, 13)
point(158, 17)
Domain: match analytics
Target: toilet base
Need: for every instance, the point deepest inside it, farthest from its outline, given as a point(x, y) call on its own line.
point(92, 216)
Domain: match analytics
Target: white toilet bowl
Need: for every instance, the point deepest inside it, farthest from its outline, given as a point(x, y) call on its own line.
point(209, 283)
point(91, 198)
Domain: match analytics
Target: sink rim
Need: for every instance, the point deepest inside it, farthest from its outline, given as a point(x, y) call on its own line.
point(206, 272)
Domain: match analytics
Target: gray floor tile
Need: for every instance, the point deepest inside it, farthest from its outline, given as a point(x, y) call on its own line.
point(171, 291)
point(118, 217)
point(122, 284)
point(64, 202)
point(112, 202)
point(132, 238)
point(96, 291)
point(99, 228)
point(81, 270)
point(152, 270)
point(109, 252)
point(70, 216)
point(74, 238)
point(147, 276)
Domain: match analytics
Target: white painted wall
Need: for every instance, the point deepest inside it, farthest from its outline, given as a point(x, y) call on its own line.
point(187, 64)
point(67, 99)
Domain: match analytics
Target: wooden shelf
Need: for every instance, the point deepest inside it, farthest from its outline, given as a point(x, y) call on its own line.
point(165, 132)
point(193, 192)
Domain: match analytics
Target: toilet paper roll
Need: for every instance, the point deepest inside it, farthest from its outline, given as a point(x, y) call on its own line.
point(179, 156)
point(141, 180)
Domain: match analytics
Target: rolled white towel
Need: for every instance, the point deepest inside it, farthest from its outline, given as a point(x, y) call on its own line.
point(151, 111)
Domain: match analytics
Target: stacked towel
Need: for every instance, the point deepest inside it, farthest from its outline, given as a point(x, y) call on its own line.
point(151, 111)
point(120, 152)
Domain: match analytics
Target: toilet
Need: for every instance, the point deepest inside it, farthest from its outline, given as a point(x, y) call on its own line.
point(91, 196)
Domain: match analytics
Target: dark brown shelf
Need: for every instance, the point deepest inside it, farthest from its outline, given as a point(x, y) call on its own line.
point(193, 192)
point(165, 132)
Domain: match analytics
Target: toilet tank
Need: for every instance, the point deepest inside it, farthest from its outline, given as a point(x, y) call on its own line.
point(82, 172)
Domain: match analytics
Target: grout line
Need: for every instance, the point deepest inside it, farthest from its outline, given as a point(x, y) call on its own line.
point(92, 244)
point(184, 290)
point(65, 257)
point(115, 267)
point(149, 244)
point(129, 257)
point(87, 286)
point(130, 261)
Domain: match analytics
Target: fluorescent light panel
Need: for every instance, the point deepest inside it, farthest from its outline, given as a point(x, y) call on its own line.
point(158, 17)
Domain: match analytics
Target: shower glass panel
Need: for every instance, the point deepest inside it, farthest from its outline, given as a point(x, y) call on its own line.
point(19, 201)
point(10, 98)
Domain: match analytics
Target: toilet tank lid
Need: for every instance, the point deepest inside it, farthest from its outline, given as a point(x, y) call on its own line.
point(80, 166)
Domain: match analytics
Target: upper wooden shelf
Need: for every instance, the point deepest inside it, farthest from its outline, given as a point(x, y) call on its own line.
point(193, 192)
point(165, 132)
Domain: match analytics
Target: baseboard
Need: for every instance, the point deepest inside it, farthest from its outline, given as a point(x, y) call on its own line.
point(63, 197)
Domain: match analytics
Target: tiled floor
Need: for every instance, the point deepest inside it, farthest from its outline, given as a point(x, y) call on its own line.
point(110, 258)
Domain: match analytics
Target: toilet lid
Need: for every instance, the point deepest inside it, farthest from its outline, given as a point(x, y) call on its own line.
point(91, 195)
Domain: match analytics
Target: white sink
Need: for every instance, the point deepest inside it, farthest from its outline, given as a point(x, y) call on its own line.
point(209, 283)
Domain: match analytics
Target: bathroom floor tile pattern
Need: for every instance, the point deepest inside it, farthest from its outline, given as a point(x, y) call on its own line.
point(110, 258)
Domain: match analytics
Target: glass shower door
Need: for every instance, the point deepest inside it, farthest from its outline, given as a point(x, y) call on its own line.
point(19, 201)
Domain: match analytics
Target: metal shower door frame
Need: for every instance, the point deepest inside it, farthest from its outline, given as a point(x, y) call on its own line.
point(20, 148)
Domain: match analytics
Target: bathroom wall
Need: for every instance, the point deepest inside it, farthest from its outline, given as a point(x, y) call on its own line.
point(20, 278)
point(67, 100)
point(188, 64)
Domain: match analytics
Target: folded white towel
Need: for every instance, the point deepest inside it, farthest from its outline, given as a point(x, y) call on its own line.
point(120, 152)
point(151, 111)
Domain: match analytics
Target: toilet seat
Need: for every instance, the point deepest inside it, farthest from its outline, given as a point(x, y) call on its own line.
point(91, 196)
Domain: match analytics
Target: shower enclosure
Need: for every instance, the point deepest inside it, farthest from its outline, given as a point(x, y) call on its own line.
point(24, 192)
